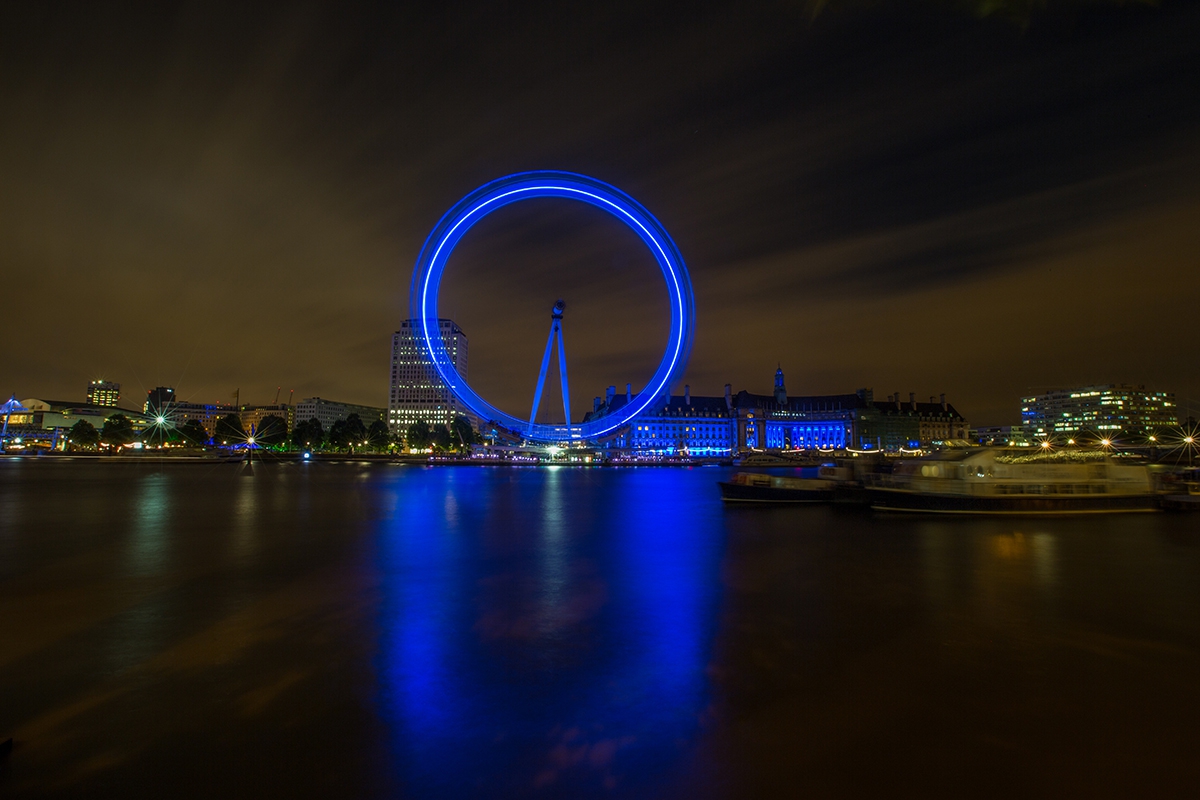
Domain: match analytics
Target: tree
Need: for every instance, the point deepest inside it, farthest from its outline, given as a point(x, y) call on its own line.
point(356, 432)
point(229, 430)
point(441, 437)
point(377, 434)
point(338, 438)
point(117, 431)
point(159, 433)
point(463, 433)
point(418, 435)
point(193, 433)
point(83, 434)
point(308, 434)
point(271, 430)
point(299, 437)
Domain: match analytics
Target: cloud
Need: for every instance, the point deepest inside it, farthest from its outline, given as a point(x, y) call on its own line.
point(237, 196)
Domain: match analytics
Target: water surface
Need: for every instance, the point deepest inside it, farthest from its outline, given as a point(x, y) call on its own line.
point(366, 630)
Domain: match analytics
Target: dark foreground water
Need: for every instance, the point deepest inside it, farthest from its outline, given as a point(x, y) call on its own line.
point(347, 630)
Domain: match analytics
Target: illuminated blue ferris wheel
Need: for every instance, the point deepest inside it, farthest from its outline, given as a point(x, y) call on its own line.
point(431, 263)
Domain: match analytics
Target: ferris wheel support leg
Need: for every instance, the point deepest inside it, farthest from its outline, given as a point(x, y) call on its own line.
point(537, 395)
point(562, 375)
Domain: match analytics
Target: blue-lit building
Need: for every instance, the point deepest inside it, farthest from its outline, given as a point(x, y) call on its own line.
point(779, 422)
point(686, 424)
point(821, 422)
point(737, 424)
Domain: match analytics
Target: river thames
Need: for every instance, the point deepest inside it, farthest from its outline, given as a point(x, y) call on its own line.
point(370, 630)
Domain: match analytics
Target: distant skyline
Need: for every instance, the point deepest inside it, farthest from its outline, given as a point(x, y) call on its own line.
point(897, 195)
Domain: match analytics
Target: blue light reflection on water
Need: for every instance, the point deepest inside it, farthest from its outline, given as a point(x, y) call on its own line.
point(544, 629)
point(418, 550)
point(670, 552)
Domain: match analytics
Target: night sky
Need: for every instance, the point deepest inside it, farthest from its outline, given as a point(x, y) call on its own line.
point(909, 196)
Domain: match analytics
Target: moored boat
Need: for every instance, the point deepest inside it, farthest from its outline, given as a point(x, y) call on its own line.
point(756, 487)
point(1182, 492)
point(992, 481)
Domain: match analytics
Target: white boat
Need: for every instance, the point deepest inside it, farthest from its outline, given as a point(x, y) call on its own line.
point(1002, 481)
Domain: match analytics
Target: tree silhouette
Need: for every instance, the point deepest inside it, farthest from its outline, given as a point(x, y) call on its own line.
point(338, 436)
point(117, 431)
point(356, 432)
point(272, 429)
point(441, 437)
point(418, 435)
point(84, 434)
point(463, 433)
point(229, 430)
point(377, 434)
point(193, 432)
point(308, 434)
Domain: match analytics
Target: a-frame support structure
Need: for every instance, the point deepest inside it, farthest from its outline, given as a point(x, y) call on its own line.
point(556, 334)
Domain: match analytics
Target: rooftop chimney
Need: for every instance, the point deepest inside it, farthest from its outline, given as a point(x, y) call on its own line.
point(944, 402)
point(596, 404)
point(687, 395)
point(912, 400)
point(897, 396)
point(628, 392)
point(728, 396)
point(609, 394)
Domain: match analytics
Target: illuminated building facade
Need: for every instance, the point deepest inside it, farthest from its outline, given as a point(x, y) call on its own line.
point(1106, 410)
point(701, 427)
point(206, 414)
point(779, 422)
point(897, 424)
point(51, 420)
point(159, 400)
point(417, 391)
point(822, 422)
point(15, 414)
point(103, 393)
point(252, 416)
point(1000, 436)
point(328, 412)
point(738, 424)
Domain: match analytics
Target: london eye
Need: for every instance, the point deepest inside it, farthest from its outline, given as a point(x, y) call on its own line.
point(431, 263)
